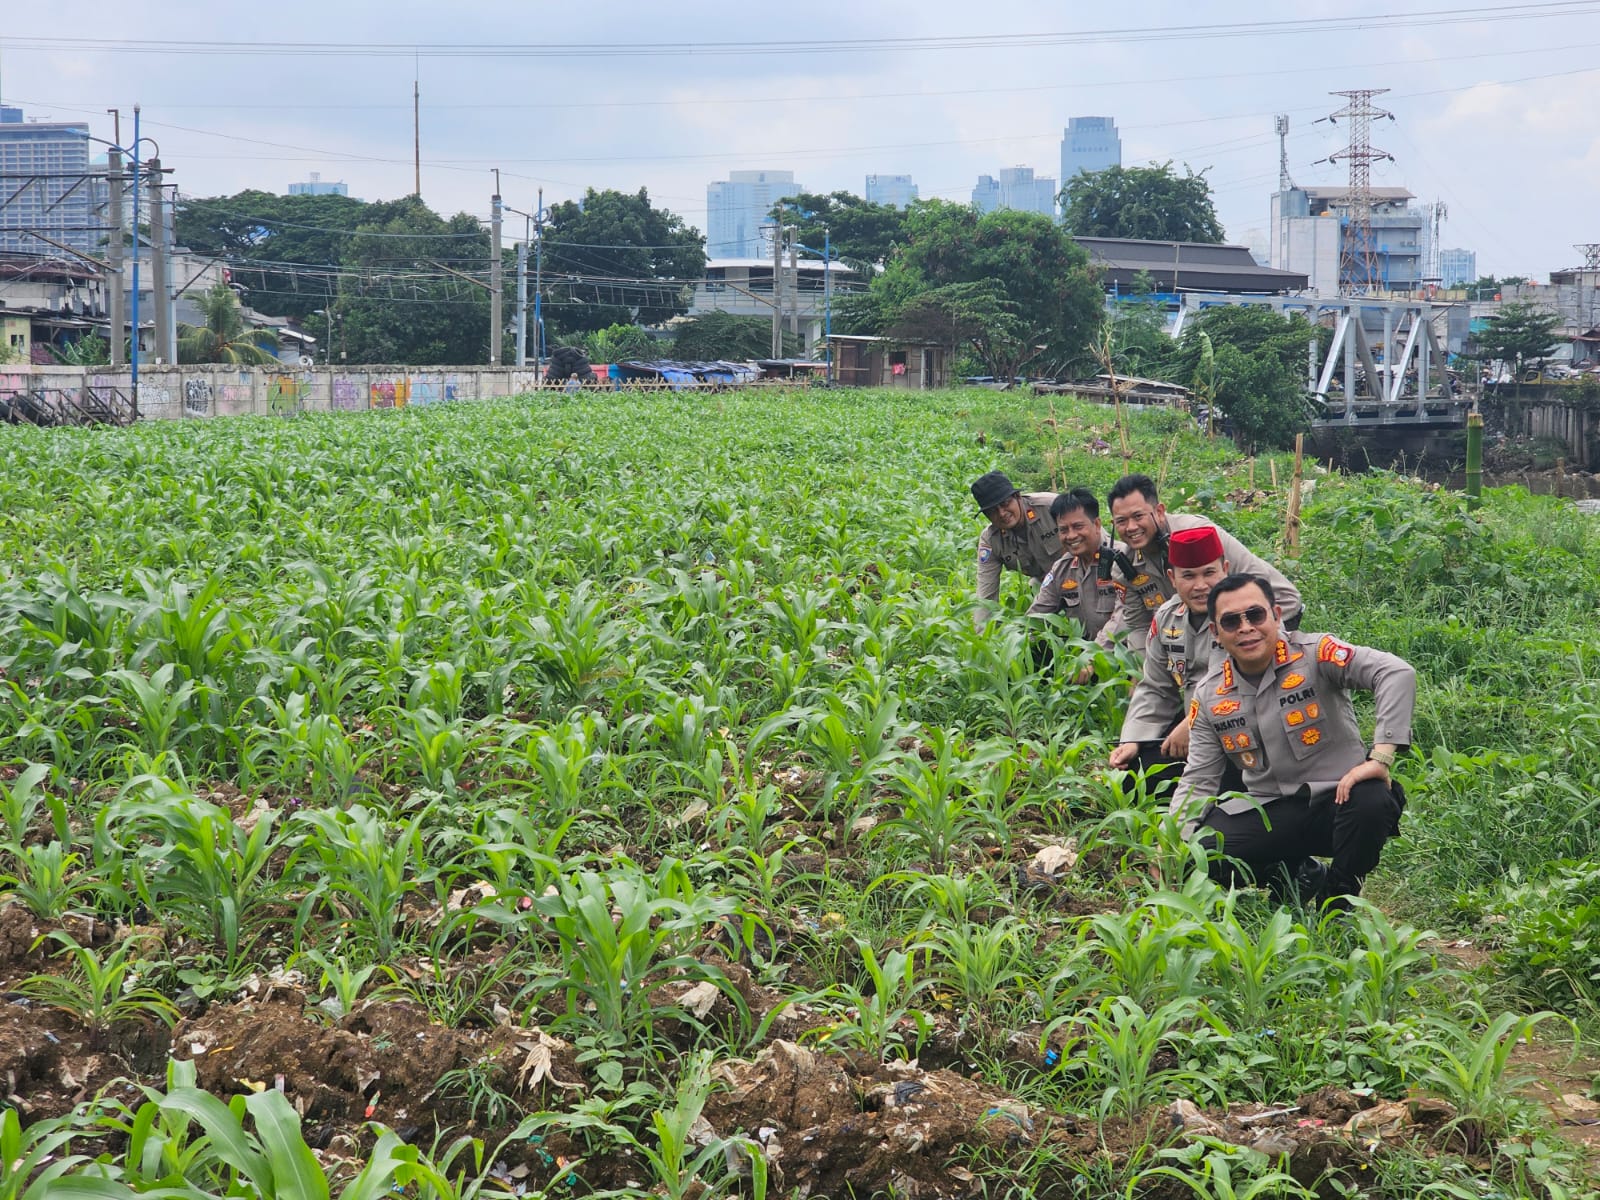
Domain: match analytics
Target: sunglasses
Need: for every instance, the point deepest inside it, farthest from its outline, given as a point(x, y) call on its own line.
point(1232, 622)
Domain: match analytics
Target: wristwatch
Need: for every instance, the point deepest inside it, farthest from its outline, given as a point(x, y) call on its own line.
point(1386, 757)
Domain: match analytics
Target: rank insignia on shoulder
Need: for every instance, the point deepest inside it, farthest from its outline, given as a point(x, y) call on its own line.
point(1291, 681)
point(1223, 707)
point(1281, 654)
point(1031, 517)
point(1331, 650)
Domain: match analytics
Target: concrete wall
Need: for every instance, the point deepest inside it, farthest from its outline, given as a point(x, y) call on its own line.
point(175, 393)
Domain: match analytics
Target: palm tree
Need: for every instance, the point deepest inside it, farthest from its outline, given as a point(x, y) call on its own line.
point(224, 338)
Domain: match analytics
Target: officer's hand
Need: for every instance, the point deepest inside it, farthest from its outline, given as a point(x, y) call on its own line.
point(1176, 743)
point(1125, 755)
point(1085, 673)
point(1366, 770)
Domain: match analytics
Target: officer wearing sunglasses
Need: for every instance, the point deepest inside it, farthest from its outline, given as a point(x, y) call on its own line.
point(1277, 707)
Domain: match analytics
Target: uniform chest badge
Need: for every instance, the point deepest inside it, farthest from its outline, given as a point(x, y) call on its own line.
point(1140, 580)
point(1068, 584)
point(1291, 681)
point(1297, 717)
point(1248, 759)
point(1311, 737)
point(1223, 707)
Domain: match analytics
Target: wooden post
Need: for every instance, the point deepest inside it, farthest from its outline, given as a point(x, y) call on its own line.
point(1474, 459)
point(1561, 477)
point(1252, 484)
point(1291, 528)
point(1273, 464)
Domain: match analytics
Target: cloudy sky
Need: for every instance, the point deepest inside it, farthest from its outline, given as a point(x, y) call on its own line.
point(1494, 105)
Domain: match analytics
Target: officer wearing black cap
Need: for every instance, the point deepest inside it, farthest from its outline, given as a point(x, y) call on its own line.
point(1021, 536)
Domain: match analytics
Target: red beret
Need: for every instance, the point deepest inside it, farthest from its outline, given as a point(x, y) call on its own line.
point(1194, 547)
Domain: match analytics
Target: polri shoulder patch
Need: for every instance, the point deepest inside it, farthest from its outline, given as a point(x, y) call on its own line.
point(1332, 650)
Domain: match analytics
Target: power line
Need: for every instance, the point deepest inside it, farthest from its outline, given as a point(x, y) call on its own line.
point(1431, 18)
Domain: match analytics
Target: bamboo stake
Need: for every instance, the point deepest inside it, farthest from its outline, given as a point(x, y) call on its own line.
point(1273, 463)
point(1252, 484)
point(1474, 459)
point(1291, 530)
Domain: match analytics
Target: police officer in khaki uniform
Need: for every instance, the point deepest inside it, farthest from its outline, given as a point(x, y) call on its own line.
point(1020, 536)
point(1278, 707)
point(1143, 522)
point(1182, 650)
point(1077, 585)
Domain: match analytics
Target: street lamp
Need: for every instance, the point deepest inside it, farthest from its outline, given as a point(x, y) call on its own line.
point(132, 151)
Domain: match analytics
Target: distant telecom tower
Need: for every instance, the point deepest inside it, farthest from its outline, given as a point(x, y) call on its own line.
point(1281, 124)
point(1591, 255)
point(1433, 216)
point(1358, 259)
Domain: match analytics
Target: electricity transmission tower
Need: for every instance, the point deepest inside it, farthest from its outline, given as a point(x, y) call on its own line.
point(1358, 259)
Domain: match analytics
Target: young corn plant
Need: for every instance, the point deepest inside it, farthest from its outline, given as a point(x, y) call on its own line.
point(196, 863)
point(877, 1018)
point(1475, 1071)
point(99, 990)
point(1121, 1042)
point(46, 879)
point(354, 857)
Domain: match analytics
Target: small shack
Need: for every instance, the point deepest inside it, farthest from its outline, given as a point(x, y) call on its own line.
point(860, 361)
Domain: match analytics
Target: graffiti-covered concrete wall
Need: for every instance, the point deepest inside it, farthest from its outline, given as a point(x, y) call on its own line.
point(179, 393)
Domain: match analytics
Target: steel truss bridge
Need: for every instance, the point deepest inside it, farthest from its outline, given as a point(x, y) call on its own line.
point(1400, 381)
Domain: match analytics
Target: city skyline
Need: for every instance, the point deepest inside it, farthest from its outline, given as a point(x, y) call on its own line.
point(1473, 99)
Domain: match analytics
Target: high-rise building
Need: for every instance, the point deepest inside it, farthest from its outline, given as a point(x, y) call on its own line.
point(48, 186)
point(1017, 188)
point(316, 187)
point(738, 206)
point(1311, 231)
point(1457, 268)
point(1089, 144)
point(897, 191)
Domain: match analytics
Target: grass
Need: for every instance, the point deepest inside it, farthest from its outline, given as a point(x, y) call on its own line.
point(664, 685)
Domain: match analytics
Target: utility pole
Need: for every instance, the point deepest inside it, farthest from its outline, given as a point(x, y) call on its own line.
point(522, 303)
point(496, 320)
point(794, 286)
point(777, 291)
point(1358, 260)
point(160, 288)
point(538, 282)
point(416, 133)
point(116, 302)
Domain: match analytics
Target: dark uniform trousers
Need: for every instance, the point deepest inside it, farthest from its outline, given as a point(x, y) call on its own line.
point(1162, 771)
point(1292, 828)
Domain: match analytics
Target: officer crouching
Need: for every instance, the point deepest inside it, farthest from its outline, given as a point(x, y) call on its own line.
point(1278, 708)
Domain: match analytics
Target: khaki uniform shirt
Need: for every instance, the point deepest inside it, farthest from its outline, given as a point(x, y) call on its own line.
point(1177, 658)
point(1149, 588)
point(1075, 589)
point(1031, 548)
point(1296, 728)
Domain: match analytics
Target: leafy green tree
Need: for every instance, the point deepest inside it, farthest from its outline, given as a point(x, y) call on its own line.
point(862, 233)
point(90, 351)
point(1154, 202)
point(719, 335)
point(1519, 334)
point(1250, 361)
point(616, 259)
point(1031, 301)
point(1488, 287)
point(225, 337)
point(619, 343)
point(402, 298)
point(281, 233)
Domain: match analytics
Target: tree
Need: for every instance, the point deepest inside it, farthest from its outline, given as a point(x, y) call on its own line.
point(615, 259)
point(718, 335)
point(1250, 363)
point(1488, 287)
point(621, 343)
point(402, 296)
point(1031, 304)
point(1520, 333)
point(861, 232)
point(225, 337)
point(1155, 203)
point(301, 242)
